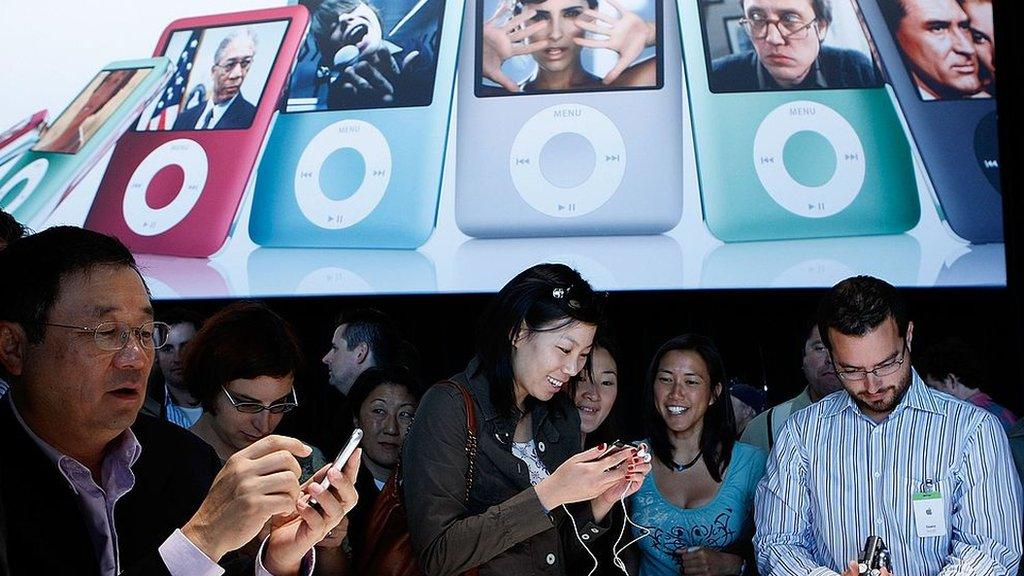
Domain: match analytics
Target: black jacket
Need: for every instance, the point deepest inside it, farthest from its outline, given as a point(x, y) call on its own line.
point(503, 529)
point(39, 517)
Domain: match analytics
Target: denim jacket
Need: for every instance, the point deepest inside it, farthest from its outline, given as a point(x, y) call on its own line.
point(502, 528)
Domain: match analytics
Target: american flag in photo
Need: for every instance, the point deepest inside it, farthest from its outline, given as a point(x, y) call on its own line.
point(168, 106)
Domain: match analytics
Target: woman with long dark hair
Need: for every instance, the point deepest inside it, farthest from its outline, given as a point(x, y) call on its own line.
point(529, 486)
point(699, 500)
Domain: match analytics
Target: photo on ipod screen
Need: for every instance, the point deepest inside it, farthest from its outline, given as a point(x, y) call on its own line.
point(90, 110)
point(948, 46)
point(553, 46)
point(779, 45)
point(362, 54)
point(220, 73)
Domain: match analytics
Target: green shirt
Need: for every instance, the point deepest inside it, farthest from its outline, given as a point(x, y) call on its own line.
point(756, 432)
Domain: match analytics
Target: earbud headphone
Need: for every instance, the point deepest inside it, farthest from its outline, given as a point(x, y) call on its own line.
point(616, 549)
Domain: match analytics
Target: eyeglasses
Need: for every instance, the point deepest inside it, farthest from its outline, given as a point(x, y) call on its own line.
point(879, 371)
point(256, 407)
point(757, 27)
point(231, 63)
point(113, 336)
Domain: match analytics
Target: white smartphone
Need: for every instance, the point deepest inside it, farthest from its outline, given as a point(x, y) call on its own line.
point(342, 458)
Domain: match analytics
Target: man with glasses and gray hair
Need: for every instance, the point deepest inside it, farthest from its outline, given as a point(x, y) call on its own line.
point(789, 51)
point(87, 486)
point(226, 107)
point(929, 474)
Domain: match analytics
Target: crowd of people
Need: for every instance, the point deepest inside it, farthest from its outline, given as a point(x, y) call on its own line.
point(212, 461)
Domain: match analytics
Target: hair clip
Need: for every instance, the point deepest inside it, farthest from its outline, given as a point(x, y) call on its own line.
point(559, 293)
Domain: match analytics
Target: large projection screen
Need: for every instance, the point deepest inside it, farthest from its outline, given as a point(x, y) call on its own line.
point(49, 58)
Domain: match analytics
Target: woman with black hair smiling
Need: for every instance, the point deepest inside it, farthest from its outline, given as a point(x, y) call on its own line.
point(699, 500)
point(596, 391)
point(502, 505)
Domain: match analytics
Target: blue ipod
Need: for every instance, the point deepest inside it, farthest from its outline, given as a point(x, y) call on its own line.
point(356, 155)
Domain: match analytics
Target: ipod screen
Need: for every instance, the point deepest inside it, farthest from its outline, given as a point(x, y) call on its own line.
point(778, 45)
point(362, 54)
point(948, 46)
point(87, 113)
point(553, 46)
point(219, 79)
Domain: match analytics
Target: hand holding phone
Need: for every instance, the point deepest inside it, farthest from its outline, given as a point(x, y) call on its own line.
point(342, 458)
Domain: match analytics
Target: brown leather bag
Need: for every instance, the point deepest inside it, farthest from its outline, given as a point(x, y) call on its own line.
point(388, 548)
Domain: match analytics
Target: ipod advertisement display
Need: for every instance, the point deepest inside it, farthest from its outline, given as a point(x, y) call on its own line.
point(83, 132)
point(176, 181)
point(20, 137)
point(442, 146)
point(359, 144)
point(796, 134)
point(562, 112)
point(940, 55)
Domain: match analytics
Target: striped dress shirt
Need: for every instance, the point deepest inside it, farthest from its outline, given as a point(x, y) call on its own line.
point(836, 477)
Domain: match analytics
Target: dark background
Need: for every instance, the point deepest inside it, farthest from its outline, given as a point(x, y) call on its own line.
point(760, 332)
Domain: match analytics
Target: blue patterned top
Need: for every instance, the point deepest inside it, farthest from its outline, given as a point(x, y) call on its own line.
point(727, 518)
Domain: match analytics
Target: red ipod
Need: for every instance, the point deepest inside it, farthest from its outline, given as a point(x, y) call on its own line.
point(177, 177)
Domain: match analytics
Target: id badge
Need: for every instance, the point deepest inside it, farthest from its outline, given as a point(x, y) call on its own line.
point(930, 514)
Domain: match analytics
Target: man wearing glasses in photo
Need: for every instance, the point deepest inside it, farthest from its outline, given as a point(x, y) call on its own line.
point(227, 107)
point(929, 474)
point(87, 486)
point(789, 51)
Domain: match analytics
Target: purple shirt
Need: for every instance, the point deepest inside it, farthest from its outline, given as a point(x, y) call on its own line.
point(984, 401)
point(97, 503)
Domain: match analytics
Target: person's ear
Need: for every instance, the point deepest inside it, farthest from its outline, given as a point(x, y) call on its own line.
point(822, 30)
point(362, 352)
point(716, 393)
point(13, 341)
point(910, 335)
point(519, 334)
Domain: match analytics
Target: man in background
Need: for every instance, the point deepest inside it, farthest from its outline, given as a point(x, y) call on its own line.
point(953, 366)
point(171, 399)
point(821, 380)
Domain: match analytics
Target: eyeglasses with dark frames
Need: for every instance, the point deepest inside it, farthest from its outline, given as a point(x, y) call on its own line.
point(757, 27)
point(257, 407)
point(886, 369)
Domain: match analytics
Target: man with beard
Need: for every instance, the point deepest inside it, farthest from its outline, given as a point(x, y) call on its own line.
point(929, 474)
point(821, 378)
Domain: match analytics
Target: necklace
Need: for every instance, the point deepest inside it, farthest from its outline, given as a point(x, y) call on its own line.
point(688, 465)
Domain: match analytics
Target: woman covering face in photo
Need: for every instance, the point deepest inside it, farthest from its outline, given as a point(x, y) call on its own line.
point(554, 32)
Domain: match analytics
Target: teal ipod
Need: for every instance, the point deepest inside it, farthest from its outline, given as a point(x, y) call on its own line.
point(795, 130)
point(83, 133)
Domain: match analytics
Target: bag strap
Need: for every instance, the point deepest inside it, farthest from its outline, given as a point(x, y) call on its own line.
point(471, 444)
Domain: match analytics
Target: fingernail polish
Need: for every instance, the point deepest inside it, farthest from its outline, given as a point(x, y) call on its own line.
point(602, 446)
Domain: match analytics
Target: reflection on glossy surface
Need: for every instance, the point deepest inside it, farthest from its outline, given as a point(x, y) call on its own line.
point(607, 262)
point(812, 263)
point(288, 272)
point(975, 265)
point(174, 278)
